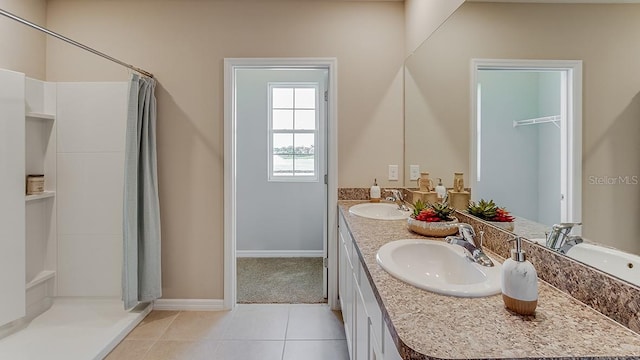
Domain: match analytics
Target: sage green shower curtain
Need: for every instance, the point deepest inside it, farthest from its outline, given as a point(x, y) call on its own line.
point(141, 280)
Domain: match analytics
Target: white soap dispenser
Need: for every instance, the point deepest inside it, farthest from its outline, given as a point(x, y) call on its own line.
point(374, 192)
point(441, 191)
point(519, 282)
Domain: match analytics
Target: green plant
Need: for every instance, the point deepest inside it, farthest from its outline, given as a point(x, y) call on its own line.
point(418, 206)
point(433, 212)
point(488, 210)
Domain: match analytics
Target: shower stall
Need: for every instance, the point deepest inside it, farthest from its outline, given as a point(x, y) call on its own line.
point(61, 248)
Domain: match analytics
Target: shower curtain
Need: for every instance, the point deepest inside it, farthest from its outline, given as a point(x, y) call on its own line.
point(141, 275)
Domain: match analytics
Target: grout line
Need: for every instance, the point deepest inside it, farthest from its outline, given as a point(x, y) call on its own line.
point(155, 341)
point(286, 330)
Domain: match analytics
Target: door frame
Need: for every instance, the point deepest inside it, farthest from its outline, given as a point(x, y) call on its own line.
point(570, 132)
point(230, 205)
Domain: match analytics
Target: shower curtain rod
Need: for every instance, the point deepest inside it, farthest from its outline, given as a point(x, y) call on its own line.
point(73, 42)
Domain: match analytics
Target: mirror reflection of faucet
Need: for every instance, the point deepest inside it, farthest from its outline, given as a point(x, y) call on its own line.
point(560, 240)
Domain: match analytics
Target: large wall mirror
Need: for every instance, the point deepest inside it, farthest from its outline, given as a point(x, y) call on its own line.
point(604, 37)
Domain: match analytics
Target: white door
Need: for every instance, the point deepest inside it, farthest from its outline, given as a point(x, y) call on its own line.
point(281, 162)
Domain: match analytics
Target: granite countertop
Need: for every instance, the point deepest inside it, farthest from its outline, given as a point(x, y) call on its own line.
point(427, 325)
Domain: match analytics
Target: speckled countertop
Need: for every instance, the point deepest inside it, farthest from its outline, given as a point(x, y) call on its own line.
point(426, 325)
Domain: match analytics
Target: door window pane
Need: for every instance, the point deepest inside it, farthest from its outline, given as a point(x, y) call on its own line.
point(305, 119)
point(282, 119)
point(304, 143)
point(304, 165)
point(282, 165)
point(283, 143)
point(282, 98)
point(305, 98)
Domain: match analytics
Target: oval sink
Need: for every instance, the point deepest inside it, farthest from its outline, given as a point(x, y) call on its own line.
point(379, 211)
point(439, 267)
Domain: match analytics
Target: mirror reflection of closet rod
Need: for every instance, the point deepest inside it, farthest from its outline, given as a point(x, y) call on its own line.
point(555, 119)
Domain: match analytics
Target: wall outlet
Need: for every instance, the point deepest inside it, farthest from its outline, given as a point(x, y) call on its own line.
point(393, 172)
point(414, 172)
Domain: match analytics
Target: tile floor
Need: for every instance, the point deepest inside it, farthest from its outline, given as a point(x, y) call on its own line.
point(250, 331)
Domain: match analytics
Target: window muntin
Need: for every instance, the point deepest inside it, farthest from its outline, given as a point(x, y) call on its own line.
point(293, 131)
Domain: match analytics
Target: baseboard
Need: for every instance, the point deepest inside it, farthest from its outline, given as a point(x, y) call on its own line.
point(189, 304)
point(279, 253)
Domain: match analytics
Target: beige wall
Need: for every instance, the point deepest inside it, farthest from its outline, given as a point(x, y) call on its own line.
point(22, 49)
point(605, 37)
point(422, 18)
point(184, 43)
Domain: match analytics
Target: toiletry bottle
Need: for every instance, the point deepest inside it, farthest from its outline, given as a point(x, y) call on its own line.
point(441, 191)
point(374, 192)
point(519, 282)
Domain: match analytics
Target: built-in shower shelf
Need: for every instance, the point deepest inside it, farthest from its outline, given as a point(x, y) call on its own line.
point(40, 278)
point(41, 116)
point(43, 195)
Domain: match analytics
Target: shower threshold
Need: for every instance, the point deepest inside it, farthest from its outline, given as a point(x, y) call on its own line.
point(73, 328)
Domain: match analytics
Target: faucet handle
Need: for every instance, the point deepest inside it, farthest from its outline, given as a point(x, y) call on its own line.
point(481, 233)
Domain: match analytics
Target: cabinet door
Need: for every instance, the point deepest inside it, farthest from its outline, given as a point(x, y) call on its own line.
point(389, 349)
point(361, 338)
point(375, 350)
point(12, 195)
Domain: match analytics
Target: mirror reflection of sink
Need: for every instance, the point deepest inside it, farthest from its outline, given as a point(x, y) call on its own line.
point(379, 211)
point(439, 267)
point(615, 262)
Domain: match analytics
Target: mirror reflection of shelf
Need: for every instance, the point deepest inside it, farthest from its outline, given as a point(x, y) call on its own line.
point(43, 195)
point(40, 116)
point(555, 119)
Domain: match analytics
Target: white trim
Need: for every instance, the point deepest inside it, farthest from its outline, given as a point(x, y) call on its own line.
point(189, 304)
point(572, 154)
point(230, 64)
point(279, 253)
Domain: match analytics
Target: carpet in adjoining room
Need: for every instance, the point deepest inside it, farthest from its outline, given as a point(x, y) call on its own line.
point(279, 280)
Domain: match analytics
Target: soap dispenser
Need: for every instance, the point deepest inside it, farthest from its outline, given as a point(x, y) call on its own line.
point(519, 282)
point(374, 192)
point(441, 190)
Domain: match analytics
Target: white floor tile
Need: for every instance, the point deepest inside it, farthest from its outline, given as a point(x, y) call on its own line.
point(316, 350)
point(258, 322)
point(249, 350)
point(314, 322)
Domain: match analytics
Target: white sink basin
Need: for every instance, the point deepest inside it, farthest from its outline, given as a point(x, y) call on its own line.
point(379, 211)
point(615, 262)
point(439, 267)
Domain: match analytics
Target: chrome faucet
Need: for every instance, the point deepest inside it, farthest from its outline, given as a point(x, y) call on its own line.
point(398, 199)
point(465, 238)
point(560, 240)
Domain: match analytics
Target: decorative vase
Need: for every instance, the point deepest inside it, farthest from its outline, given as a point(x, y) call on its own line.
point(425, 183)
point(433, 229)
point(458, 182)
point(504, 225)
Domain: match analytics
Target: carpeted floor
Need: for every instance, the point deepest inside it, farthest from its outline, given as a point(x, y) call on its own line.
point(279, 280)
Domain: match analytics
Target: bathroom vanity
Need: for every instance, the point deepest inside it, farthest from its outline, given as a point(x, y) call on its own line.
point(386, 318)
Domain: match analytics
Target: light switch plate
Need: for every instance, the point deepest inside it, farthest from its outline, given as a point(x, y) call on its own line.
point(414, 172)
point(393, 172)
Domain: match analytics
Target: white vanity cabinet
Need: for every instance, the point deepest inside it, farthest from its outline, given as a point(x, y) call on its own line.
point(367, 335)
